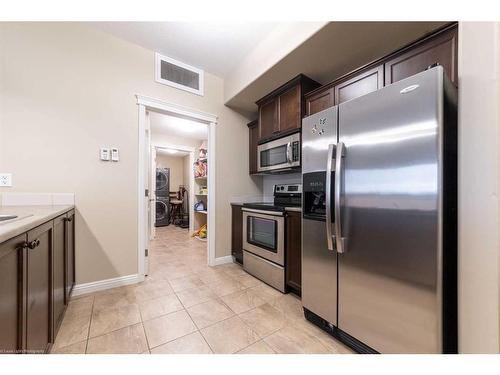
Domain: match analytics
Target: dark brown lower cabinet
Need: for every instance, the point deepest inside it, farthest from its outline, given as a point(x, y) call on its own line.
point(37, 275)
point(59, 267)
point(70, 253)
point(39, 289)
point(11, 294)
point(237, 233)
point(293, 252)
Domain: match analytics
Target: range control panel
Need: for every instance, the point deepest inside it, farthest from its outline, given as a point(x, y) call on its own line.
point(288, 188)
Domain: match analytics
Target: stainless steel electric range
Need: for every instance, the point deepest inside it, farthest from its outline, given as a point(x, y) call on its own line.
point(264, 235)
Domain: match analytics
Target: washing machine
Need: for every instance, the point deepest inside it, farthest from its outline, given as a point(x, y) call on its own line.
point(162, 211)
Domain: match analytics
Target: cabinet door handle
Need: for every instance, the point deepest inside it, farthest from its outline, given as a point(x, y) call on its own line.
point(33, 244)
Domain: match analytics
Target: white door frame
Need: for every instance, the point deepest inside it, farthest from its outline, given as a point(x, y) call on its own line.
point(191, 177)
point(144, 104)
point(152, 193)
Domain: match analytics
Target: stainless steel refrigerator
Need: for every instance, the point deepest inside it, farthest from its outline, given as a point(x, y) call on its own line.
point(379, 218)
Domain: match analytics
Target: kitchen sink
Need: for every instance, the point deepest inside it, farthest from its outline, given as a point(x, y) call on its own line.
point(7, 217)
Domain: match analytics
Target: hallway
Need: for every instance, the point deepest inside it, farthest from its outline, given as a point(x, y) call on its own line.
point(185, 306)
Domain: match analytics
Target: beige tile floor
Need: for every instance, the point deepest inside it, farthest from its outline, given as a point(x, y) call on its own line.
point(185, 306)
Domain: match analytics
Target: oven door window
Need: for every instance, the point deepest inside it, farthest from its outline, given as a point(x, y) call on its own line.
point(273, 156)
point(262, 233)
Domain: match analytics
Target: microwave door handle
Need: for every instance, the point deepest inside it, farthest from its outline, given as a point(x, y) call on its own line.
point(330, 238)
point(289, 152)
point(339, 165)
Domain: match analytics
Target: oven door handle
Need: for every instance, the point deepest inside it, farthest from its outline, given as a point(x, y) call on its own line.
point(330, 237)
point(263, 212)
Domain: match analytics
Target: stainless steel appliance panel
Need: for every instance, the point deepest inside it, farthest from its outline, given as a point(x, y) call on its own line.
point(318, 132)
point(264, 270)
point(282, 153)
point(319, 272)
point(319, 265)
point(390, 215)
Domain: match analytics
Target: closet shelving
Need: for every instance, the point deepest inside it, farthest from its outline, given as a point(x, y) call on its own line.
point(200, 169)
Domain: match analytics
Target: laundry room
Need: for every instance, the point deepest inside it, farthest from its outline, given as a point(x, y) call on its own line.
point(178, 179)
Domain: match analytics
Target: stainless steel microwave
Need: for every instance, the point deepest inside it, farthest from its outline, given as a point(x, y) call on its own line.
point(280, 154)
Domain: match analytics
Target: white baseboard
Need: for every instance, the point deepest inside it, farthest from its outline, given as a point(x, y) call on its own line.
point(97, 286)
point(223, 260)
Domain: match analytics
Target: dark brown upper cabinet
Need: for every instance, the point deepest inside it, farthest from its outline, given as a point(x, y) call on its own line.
point(281, 111)
point(253, 139)
point(439, 49)
point(347, 88)
point(268, 119)
point(359, 84)
point(320, 100)
point(289, 109)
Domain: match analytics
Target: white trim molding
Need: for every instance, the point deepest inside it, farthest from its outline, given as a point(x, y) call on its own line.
point(97, 286)
point(175, 109)
point(146, 104)
point(223, 260)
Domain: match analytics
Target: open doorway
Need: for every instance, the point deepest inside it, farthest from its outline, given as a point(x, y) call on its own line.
point(176, 170)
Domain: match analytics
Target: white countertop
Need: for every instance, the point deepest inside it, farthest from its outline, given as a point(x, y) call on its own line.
point(28, 218)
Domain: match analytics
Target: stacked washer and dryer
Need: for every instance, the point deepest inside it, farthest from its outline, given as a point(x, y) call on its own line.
point(162, 197)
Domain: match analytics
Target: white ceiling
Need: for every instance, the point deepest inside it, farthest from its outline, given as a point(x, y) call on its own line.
point(179, 127)
point(171, 152)
point(216, 47)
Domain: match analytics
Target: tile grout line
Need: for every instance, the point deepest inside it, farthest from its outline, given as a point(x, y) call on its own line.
point(90, 324)
point(196, 273)
point(144, 330)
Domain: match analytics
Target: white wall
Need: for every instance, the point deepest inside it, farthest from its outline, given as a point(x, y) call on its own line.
point(66, 89)
point(188, 170)
point(269, 181)
point(286, 37)
point(479, 173)
point(176, 165)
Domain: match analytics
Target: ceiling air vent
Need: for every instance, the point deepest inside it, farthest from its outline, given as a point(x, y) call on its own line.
point(179, 75)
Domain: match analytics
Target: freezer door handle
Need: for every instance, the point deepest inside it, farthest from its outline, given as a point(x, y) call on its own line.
point(341, 242)
point(330, 237)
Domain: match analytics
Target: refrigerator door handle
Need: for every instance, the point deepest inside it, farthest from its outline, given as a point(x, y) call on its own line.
point(330, 237)
point(340, 155)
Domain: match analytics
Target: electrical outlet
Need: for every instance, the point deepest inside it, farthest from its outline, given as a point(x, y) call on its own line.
point(5, 179)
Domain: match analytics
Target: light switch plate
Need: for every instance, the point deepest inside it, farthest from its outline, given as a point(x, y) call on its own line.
point(5, 179)
point(115, 155)
point(104, 154)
